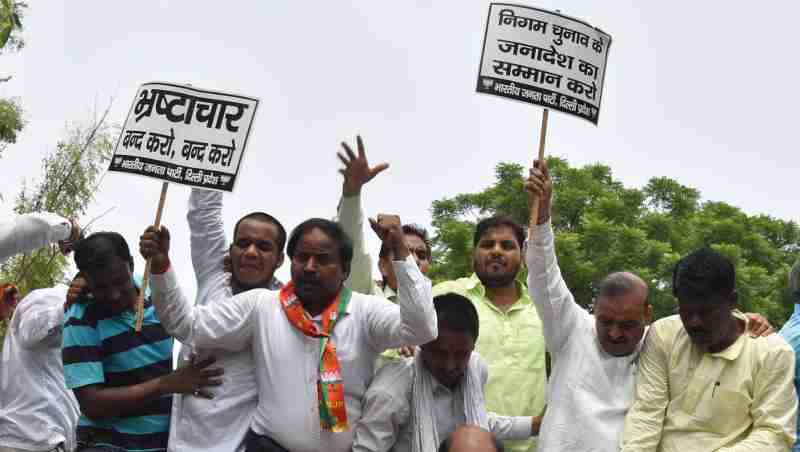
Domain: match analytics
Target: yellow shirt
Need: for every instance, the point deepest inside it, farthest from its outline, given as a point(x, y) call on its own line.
point(512, 344)
point(739, 399)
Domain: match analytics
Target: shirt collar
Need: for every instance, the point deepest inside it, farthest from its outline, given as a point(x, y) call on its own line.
point(735, 349)
point(475, 286)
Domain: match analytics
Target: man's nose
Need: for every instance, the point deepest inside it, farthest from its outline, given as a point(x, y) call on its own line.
point(251, 251)
point(310, 265)
point(615, 332)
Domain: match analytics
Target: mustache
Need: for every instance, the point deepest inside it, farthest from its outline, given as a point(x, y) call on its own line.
point(697, 332)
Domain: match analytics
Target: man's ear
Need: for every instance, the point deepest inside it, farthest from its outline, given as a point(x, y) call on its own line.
point(648, 314)
point(279, 262)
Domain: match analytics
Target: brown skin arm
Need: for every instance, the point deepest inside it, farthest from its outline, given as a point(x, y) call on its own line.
point(539, 184)
point(390, 231)
point(536, 424)
point(154, 245)
point(99, 402)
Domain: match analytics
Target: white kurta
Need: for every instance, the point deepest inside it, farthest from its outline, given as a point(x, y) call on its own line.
point(37, 411)
point(287, 362)
point(589, 391)
point(220, 424)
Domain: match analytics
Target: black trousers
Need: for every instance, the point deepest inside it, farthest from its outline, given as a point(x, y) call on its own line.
point(257, 443)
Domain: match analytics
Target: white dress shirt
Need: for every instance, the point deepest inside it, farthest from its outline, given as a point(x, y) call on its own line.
point(219, 424)
point(589, 391)
point(32, 231)
point(387, 422)
point(37, 411)
point(287, 361)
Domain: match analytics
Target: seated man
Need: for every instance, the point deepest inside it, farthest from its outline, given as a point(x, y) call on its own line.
point(37, 411)
point(512, 343)
point(314, 342)
point(123, 380)
point(469, 438)
point(412, 404)
point(703, 383)
point(594, 356)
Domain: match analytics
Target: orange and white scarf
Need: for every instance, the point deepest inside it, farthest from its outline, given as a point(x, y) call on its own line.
point(330, 389)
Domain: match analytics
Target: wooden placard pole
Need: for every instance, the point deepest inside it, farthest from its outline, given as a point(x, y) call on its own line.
point(146, 277)
point(535, 206)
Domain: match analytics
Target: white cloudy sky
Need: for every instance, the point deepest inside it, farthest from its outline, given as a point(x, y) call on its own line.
point(692, 92)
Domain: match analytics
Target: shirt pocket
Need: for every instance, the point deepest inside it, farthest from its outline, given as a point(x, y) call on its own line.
point(731, 409)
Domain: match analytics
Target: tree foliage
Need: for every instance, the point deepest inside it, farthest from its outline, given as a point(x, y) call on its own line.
point(70, 176)
point(602, 226)
point(11, 113)
point(11, 14)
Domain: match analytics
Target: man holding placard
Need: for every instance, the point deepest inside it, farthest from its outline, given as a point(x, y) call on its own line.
point(594, 357)
point(221, 424)
point(314, 343)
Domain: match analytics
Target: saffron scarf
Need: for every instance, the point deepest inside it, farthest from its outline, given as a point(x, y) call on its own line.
point(330, 389)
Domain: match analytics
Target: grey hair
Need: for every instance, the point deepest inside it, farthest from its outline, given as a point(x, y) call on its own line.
point(619, 283)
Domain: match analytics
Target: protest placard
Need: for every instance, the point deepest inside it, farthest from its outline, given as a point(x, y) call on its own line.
point(544, 58)
point(185, 135)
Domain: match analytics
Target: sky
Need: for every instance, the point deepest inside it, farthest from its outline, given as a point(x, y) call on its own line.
point(690, 93)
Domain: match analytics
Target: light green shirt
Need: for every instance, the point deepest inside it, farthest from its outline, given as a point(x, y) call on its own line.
point(512, 343)
point(350, 217)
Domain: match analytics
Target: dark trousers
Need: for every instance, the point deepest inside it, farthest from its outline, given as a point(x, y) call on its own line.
point(257, 443)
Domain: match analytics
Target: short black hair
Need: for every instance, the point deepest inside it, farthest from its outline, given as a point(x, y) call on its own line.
point(445, 445)
point(496, 222)
point(411, 229)
point(266, 218)
point(456, 312)
point(332, 230)
point(617, 284)
point(94, 252)
point(703, 274)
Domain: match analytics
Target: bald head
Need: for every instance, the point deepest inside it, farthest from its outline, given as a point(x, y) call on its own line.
point(471, 438)
point(618, 284)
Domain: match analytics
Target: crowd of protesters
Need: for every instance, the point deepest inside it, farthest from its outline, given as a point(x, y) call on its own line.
point(333, 360)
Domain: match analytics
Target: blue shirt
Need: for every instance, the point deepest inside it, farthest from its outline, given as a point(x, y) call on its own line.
point(101, 348)
point(791, 332)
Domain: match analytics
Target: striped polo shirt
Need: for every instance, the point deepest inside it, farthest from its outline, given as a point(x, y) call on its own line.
point(101, 348)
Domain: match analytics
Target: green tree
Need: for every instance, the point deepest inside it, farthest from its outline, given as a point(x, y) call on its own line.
point(602, 226)
point(11, 113)
point(70, 176)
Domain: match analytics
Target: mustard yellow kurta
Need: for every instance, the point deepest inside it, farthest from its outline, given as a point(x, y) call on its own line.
point(739, 399)
point(512, 344)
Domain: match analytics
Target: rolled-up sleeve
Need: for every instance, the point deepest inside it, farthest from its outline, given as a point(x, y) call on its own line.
point(412, 321)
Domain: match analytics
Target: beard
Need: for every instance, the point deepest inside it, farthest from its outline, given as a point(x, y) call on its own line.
point(497, 279)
